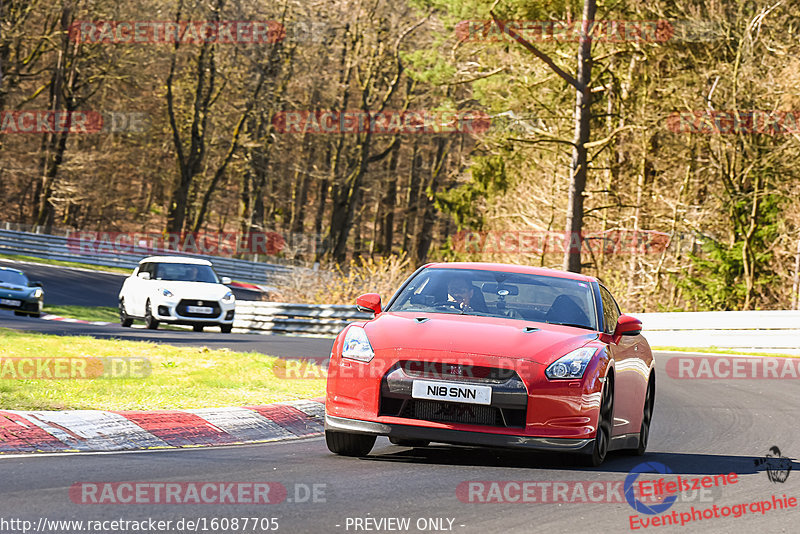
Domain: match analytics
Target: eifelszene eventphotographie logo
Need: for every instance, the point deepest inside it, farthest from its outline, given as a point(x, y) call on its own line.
point(776, 466)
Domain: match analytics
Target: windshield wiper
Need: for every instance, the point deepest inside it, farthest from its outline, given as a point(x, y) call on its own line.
point(573, 324)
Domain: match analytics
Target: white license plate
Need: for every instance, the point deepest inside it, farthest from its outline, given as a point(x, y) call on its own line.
point(199, 309)
point(442, 391)
point(9, 302)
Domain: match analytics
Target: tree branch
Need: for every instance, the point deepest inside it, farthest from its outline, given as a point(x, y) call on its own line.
point(538, 53)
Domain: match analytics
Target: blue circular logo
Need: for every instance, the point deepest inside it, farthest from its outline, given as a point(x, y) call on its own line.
point(630, 484)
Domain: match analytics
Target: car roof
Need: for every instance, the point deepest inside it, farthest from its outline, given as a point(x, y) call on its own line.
point(175, 259)
point(511, 268)
point(10, 269)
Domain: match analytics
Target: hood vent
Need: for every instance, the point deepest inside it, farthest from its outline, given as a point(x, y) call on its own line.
point(421, 319)
point(529, 329)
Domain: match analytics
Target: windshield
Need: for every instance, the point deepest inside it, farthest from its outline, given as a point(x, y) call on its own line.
point(13, 277)
point(186, 272)
point(528, 297)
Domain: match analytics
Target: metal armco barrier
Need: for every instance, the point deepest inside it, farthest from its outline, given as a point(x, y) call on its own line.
point(57, 247)
point(777, 331)
point(275, 317)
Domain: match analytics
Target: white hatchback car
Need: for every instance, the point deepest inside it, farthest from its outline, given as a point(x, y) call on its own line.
point(177, 290)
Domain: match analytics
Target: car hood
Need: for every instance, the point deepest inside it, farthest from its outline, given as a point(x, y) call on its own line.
point(193, 290)
point(465, 334)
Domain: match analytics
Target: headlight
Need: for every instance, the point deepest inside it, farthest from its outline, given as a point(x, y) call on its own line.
point(228, 297)
point(356, 345)
point(571, 365)
point(167, 293)
point(38, 293)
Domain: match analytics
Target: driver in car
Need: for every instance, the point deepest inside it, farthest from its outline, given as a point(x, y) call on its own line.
point(459, 293)
point(191, 273)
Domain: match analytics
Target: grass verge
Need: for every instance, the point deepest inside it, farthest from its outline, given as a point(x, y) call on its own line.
point(86, 313)
point(45, 261)
point(181, 377)
point(715, 350)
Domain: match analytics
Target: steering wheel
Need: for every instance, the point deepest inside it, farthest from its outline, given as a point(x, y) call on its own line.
point(447, 304)
point(513, 314)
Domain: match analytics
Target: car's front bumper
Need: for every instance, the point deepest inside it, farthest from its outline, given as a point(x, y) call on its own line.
point(171, 311)
point(26, 303)
point(456, 437)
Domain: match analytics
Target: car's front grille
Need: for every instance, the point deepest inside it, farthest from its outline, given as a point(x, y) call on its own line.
point(182, 308)
point(453, 371)
point(508, 408)
point(452, 412)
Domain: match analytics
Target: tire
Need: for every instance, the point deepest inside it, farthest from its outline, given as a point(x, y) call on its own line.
point(124, 319)
point(149, 320)
point(605, 423)
point(19, 313)
point(197, 327)
point(346, 444)
point(35, 315)
point(409, 442)
point(647, 417)
point(226, 328)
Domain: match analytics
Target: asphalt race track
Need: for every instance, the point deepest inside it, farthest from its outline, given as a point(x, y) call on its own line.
point(700, 427)
point(274, 345)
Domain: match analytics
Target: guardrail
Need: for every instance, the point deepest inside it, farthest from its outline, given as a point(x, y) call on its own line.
point(275, 317)
point(747, 330)
point(777, 331)
point(56, 247)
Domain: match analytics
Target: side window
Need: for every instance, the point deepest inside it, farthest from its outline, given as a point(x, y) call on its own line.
point(610, 310)
point(148, 268)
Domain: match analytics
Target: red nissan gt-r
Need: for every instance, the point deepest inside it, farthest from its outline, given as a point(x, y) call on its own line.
point(492, 355)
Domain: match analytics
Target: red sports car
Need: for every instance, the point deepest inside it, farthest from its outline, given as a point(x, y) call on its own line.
point(492, 355)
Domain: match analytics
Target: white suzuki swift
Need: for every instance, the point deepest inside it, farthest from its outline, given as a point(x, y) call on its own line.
point(177, 290)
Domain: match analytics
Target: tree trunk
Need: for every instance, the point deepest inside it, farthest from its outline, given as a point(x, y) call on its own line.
point(583, 100)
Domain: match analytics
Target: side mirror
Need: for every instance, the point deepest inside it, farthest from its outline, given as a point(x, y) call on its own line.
point(144, 276)
point(226, 280)
point(628, 326)
point(35, 284)
point(369, 302)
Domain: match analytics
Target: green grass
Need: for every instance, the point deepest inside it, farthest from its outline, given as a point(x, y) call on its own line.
point(181, 377)
point(45, 261)
point(716, 350)
point(86, 313)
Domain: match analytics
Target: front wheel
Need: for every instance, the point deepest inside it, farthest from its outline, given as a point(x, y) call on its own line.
point(197, 327)
point(124, 319)
point(346, 444)
point(226, 328)
point(605, 422)
point(150, 321)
